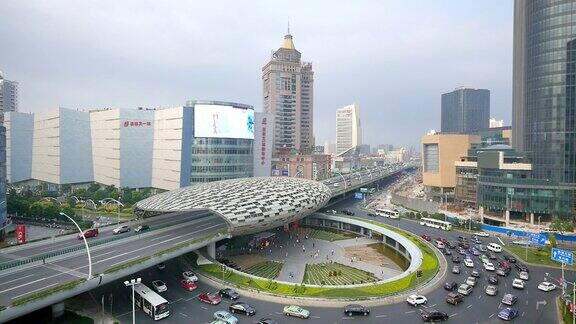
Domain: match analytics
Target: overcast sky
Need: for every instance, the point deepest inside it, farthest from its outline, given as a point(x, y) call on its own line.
point(394, 58)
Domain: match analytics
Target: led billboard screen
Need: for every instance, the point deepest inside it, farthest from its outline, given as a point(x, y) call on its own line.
point(223, 122)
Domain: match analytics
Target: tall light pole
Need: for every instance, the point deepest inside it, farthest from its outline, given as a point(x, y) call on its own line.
point(345, 184)
point(85, 243)
point(118, 204)
point(132, 283)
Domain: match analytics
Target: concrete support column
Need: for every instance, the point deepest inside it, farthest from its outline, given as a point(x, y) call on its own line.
point(481, 211)
point(362, 231)
point(58, 310)
point(507, 217)
point(211, 249)
point(531, 218)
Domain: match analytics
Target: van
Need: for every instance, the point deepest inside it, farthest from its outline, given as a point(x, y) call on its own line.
point(494, 247)
point(91, 232)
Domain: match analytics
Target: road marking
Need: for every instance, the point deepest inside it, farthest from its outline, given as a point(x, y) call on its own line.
point(159, 237)
point(9, 281)
point(105, 253)
point(315, 316)
point(469, 306)
point(126, 260)
point(522, 314)
point(203, 307)
point(183, 314)
point(491, 316)
point(383, 315)
point(409, 312)
point(479, 296)
point(29, 292)
point(453, 314)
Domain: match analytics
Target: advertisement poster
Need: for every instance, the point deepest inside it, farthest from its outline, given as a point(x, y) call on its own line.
point(20, 233)
point(217, 121)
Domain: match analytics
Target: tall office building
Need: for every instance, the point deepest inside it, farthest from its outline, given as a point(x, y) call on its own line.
point(348, 129)
point(544, 87)
point(19, 129)
point(288, 93)
point(3, 202)
point(8, 95)
point(465, 110)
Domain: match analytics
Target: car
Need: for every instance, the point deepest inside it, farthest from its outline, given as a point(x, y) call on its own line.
point(454, 298)
point(475, 273)
point(161, 266)
point(159, 286)
point(494, 247)
point(510, 259)
point(296, 311)
point(492, 256)
point(523, 275)
point(521, 267)
point(482, 248)
point(447, 251)
point(482, 234)
point(509, 299)
point(469, 263)
point(225, 317)
point(451, 245)
point(142, 228)
point(433, 315)
point(456, 269)
point(489, 266)
point(474, 252)
point(442, 239)
point(416, 300)
point(242, 308)
point(504, 264)
point(347, 212)
point(503, 272)
point(229, 293)
point(91, 232)
point(471, 281)
point(439, 244)
point(518, 283)
point(460, 250)
point(208, 298)
point(546, 286)
point(336, 184)
point(484, 258)
point(188, 284)
point(492, 279)
point(426, 237)
point(371, 214)
point(356, 309)
point(266, 320)
point(465, 289)
point(455, 259)
point(508, 314)
point(491, 290)
point(189, 275)
point(331, 211)
point(121, 229)
point(451, 286)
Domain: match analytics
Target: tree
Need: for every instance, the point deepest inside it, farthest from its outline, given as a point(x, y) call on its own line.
point(562, 225)
point(552, 239)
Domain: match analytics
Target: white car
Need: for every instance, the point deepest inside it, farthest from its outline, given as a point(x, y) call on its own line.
point(524, 275)
point(483, 234)
point(518, 283)
point(465, 289)
point(190, 276)
point(416, 300)
point(489, 266)
point(494, 247)
point(471, 281)
point(159, 286)
point(546, 286)
point(469, 263)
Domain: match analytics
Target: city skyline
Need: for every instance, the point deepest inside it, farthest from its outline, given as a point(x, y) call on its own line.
point(188, 57)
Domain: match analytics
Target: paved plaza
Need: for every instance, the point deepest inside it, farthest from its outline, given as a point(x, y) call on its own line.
point(295, 249)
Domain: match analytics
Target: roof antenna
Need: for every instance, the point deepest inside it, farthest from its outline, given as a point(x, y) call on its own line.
point(288, 27)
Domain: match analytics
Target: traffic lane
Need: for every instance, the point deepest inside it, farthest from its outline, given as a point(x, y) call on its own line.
point(163, 220)
point(130, 250)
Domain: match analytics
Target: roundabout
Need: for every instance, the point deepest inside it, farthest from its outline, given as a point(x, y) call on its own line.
point(321, 270)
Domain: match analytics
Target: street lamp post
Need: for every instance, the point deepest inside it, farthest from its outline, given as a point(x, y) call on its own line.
point(85, 243)
point(132, 283)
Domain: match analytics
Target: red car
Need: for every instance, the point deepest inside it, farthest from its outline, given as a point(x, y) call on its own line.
point(208, 298)
point(92, 232)
point(441, 239)
point(188, 284)
point(426, 237)
point(504, 265)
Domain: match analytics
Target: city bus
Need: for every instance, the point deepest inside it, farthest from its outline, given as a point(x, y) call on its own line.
point(150, 302)
point(388, 213)
point(436, 223)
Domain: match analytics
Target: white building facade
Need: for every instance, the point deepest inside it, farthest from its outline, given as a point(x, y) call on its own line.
point(348, 129)
point(19, 130)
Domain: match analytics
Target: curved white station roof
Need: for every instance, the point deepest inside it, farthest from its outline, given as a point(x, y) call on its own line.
point(248, 204)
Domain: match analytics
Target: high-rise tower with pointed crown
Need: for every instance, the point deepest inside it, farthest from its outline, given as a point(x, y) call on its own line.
point(288, 92)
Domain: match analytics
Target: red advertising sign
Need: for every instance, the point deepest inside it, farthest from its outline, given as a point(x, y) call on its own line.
point(20, 233)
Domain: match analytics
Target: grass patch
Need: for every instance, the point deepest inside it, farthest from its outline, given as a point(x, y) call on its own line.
point(429, 268)
point(46, 292)
point(537, 256)
point(266, 269)
point(335, 274)
point(327, 234)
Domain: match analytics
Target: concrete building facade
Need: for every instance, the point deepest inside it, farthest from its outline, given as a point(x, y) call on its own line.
point(348, 129)
point(309, 166)
point(122, 147)
point(465, 110)
point(8, 95)
point(288, 94)
point(19, 130)
point(439, 153)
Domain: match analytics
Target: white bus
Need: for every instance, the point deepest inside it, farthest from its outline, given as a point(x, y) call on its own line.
point(436, 223)
point(388, 213)
point(150, 302)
